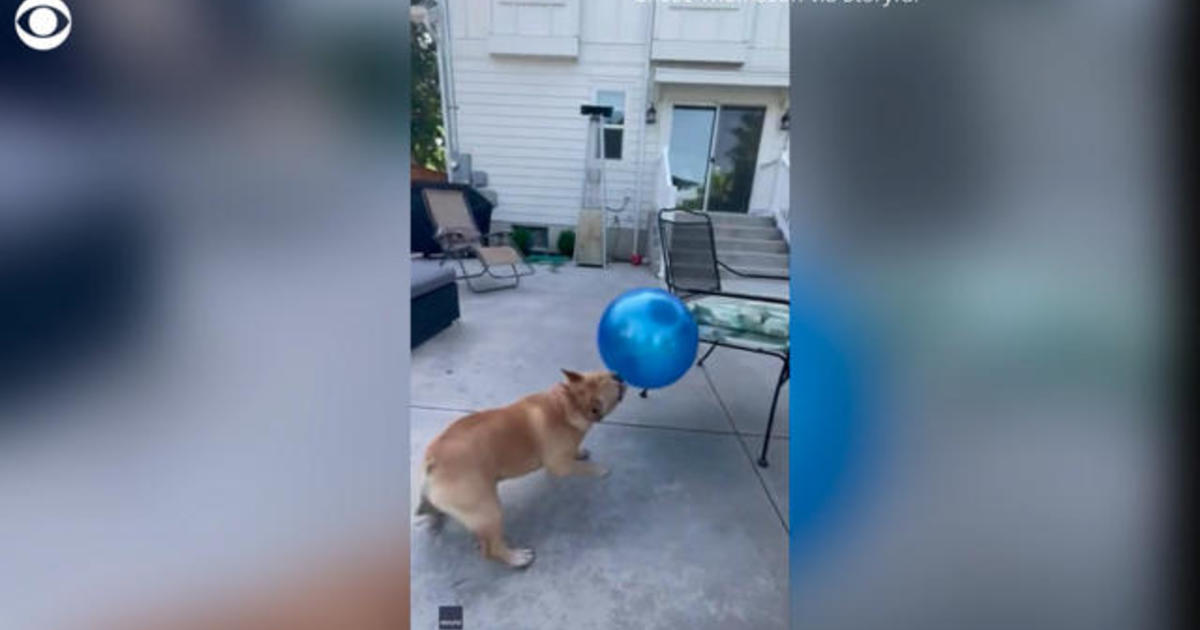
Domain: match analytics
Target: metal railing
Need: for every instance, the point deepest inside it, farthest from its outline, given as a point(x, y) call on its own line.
point(780, 206)
point(665, 196)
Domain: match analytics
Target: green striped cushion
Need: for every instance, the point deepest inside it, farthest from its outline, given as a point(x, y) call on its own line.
point(748, 323)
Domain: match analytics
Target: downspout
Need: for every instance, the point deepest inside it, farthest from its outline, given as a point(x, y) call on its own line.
point(439, 23)
point(641, 158)
point(450, 92)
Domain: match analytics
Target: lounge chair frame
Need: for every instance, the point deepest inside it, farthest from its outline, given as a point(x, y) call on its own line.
point(461, 240)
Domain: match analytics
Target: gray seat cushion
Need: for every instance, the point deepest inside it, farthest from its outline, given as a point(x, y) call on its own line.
point(428, 275)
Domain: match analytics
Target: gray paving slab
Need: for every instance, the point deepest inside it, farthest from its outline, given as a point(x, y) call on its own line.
point(511, 343)
point(680, 535)
point(775, 475)
point(745, 383)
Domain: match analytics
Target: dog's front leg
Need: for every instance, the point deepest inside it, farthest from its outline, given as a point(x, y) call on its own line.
point(563, 467)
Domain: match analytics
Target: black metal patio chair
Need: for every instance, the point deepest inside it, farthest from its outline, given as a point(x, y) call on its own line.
point(750, 323)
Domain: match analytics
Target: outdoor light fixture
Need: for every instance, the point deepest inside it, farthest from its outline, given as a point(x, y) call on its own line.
point(651, 115)
point(784, 122)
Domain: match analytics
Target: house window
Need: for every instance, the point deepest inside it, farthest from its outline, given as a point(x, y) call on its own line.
point(614, 125)
point(539, 236)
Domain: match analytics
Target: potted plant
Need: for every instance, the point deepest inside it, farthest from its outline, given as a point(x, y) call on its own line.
point(522, 239)
point(566, 243)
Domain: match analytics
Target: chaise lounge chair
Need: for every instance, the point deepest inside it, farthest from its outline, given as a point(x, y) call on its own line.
point(460, 240)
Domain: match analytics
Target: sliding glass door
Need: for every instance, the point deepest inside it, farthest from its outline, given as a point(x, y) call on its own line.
point(689, 153)
point(713, 153)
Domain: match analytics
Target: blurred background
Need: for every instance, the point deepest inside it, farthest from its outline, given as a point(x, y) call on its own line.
point(983, 190)
point(203, 315)
point(204, 334)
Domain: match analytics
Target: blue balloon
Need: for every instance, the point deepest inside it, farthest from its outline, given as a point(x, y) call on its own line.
point(648, 337)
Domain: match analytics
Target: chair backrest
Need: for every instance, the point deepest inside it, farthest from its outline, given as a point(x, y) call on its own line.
point(450, 215)
point(689, 251)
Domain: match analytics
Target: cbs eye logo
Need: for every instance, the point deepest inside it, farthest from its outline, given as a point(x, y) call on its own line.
point(43, 24)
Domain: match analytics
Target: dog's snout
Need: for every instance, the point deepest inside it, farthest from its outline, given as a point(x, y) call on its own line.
point(617, 377)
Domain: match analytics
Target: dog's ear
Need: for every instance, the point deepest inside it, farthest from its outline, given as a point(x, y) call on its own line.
point(572, 377)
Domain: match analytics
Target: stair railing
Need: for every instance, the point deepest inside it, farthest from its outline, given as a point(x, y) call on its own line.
point(665, 196)
point(779, 207)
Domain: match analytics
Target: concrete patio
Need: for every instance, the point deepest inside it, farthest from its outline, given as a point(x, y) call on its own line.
point(687, 531)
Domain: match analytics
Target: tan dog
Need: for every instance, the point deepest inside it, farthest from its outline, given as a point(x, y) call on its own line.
point(464, 463)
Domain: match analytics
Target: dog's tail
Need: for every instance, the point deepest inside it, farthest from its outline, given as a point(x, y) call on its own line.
point(426, 507)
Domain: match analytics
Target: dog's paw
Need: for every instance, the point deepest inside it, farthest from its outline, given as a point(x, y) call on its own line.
point(583, 454)
point(520, 558)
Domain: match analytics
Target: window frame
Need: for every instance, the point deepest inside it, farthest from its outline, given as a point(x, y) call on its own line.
point(540, 235)
point(622, 126)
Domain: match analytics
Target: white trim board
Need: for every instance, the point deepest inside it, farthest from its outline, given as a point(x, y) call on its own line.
point(708, 52)
point(519, 46)
point(690, 76)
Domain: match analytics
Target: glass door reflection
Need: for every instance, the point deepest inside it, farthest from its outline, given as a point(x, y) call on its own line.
point(689, 153)
point(734, 158)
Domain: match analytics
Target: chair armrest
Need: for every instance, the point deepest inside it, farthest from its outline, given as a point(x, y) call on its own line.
point(447, 233)
point(741, 296)
point(444, 236)
point(742, 274)
point(504, 234)
point(454, 243)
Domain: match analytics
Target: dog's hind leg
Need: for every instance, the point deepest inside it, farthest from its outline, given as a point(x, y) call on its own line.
point(490, 532)
point(479, 512)
point(436, 517)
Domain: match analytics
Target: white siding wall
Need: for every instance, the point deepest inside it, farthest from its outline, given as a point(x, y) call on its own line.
point(715, 31)
point(769, 40)
point(545, 27)
point(519, 116)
